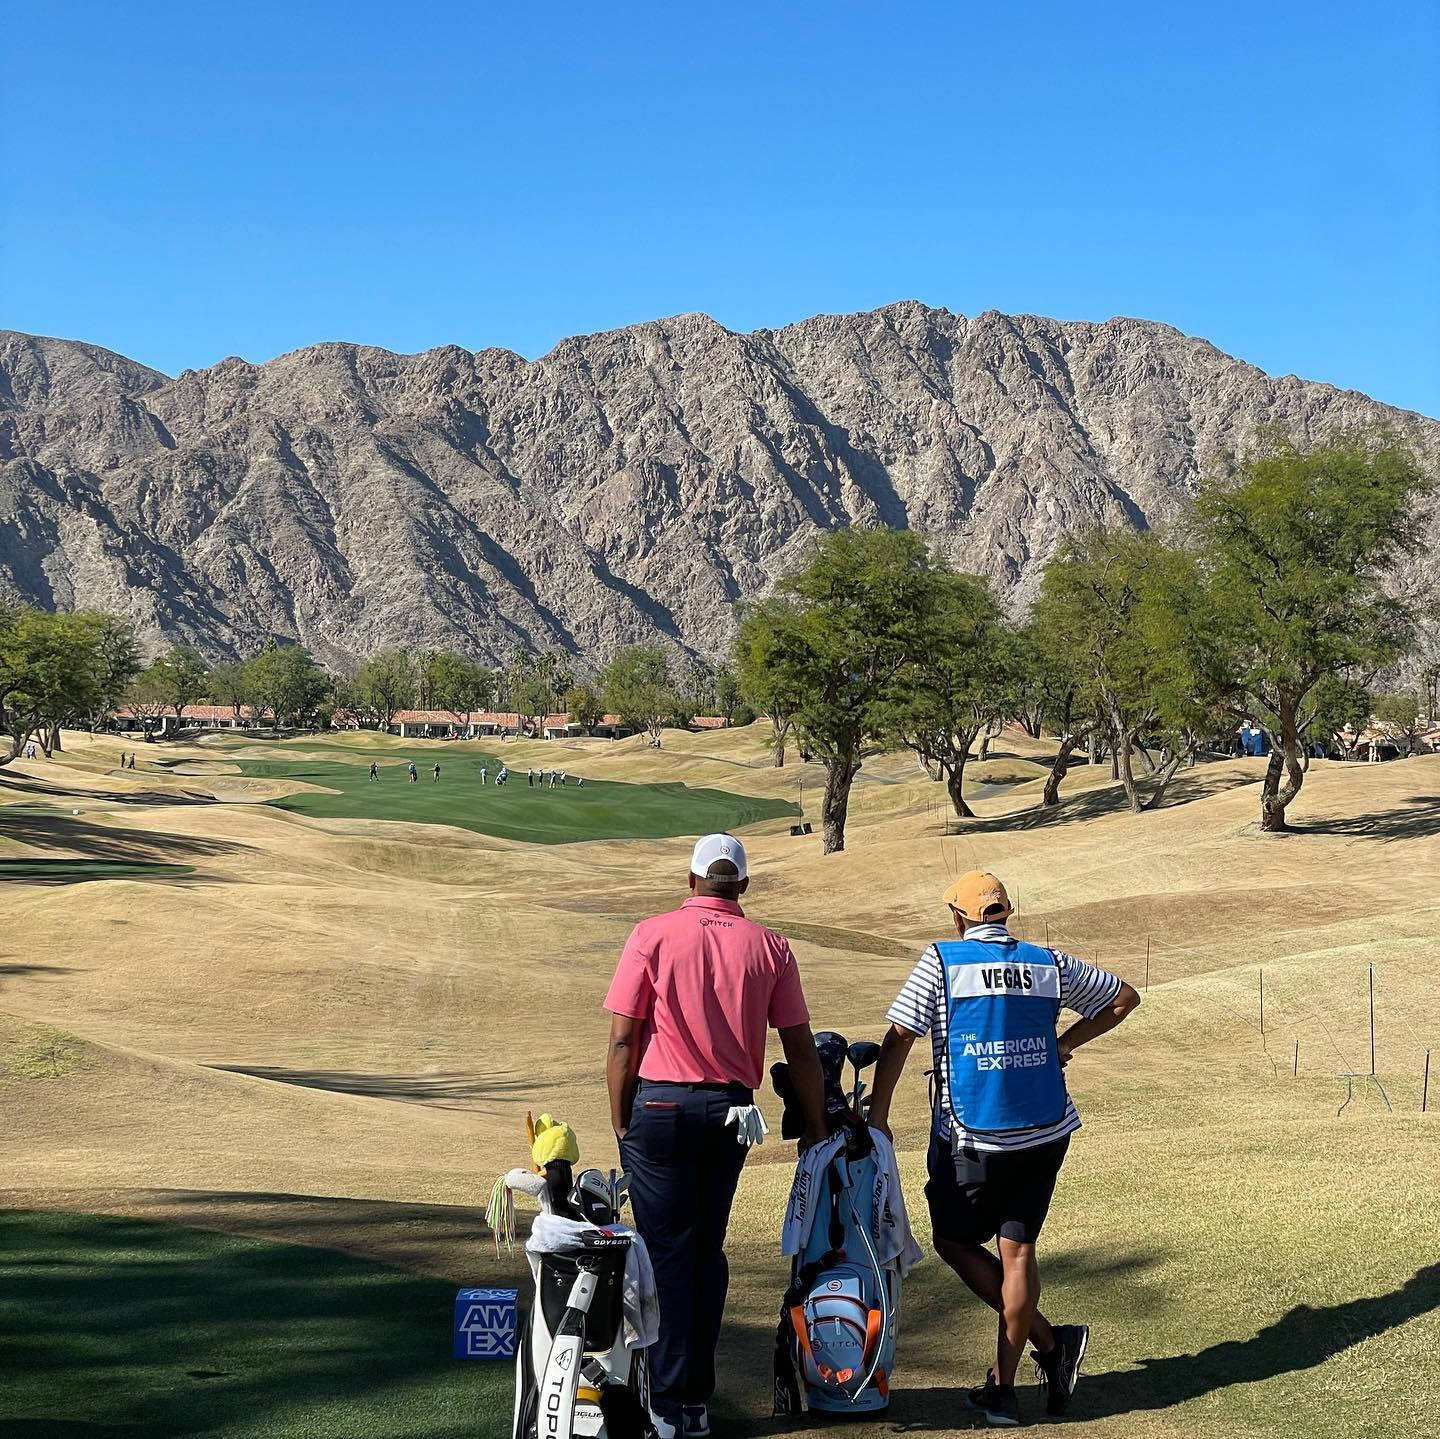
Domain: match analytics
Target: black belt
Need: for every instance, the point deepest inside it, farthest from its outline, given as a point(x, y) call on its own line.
point(735, 1089)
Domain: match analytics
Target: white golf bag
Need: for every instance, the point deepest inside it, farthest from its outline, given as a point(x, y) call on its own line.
point(580, 1368)
point(840, 1315)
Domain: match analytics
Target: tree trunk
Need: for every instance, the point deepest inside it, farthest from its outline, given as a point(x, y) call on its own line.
point(1093, 748)
point(1120, 742)
point(954, 782)
point(777, 741)
point(1145, 758)
point(1275, 797)
point(1167, 773)
point(1058, 771)
point(985, 738)
point(930, 771)
point(55, 738)
point(835, 803)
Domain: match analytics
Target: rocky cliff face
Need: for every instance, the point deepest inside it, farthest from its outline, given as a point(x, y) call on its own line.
point(629, 486)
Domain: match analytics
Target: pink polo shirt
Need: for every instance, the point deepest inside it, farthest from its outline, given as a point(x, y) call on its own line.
point(706, 981)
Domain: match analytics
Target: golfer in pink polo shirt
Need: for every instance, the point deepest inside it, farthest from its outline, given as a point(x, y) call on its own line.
point(692, 998)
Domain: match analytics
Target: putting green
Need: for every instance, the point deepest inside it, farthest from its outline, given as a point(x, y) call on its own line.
point(72, 869)
point(150, 1330)
point(603, 809)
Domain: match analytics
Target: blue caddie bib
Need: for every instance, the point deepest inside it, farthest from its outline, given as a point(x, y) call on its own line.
point(1001, 1005)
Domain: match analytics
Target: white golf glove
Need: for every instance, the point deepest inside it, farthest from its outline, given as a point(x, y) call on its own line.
point(750, 1126)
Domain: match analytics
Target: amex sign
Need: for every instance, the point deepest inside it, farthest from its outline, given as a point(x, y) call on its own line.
point(485, 1324)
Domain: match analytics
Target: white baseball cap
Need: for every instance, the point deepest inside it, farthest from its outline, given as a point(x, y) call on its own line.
point(712, 847)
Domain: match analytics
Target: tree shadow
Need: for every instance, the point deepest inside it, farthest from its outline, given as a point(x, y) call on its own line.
point(1420, 821)
point(1185, 788)
point(1303, 1339)
point(26, 784)
point(154, 1330)
point(451, 1090)
point(88, 840)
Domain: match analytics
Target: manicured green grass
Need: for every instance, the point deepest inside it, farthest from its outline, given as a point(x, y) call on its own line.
point(72, 869)
point(601, 810)
point(124, 1327)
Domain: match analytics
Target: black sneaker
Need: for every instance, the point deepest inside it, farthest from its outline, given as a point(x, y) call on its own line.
point(1059, 1371)
point(997, 1402)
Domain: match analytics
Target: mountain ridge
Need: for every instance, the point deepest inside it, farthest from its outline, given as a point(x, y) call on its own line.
point(628, 485)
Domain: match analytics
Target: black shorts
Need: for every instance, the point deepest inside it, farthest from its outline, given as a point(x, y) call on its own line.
point(975, 1195)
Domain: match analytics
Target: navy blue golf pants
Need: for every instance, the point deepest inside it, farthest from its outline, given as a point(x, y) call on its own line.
point(684, 1162)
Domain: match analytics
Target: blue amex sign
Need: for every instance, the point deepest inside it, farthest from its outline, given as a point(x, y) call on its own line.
point(485, 1324)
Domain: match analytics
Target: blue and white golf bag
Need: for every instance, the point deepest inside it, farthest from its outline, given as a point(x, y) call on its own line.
point(840, 1317)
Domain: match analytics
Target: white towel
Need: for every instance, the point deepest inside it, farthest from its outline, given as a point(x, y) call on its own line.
point(553, 1233)
point(890, 1233)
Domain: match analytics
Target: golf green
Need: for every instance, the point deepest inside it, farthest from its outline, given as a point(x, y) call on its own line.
point(539, 815)
point(153, 1331)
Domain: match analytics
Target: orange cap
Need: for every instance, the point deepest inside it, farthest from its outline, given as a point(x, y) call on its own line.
point(979, 896)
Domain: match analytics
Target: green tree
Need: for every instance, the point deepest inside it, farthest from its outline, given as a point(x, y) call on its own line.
point(147, 696)
point(1397, 717)
point(285, 682)
point(383, 686)
point(1298, 544)
point(182, 674)
point(532, 700)
point(960, 679)
point(1055, 688)
point(858, 613)
point(54, 668)
point(1335, 705)
point(1120, 614)
point(762, 680)
point(636, 686)
point(584, 707)
point(226, 686)
point(469, 688)
point(727, 693)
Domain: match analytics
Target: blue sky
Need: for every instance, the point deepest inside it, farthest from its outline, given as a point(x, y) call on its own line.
point(185, 182)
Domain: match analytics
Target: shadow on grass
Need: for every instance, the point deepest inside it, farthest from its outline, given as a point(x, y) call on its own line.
point(97, 842)
point(77, 871)
point(1186, 787)
point(1421, 820)
point(450, 1090)
point(1304, 1338)
point(122, 1326)
point(62, 793)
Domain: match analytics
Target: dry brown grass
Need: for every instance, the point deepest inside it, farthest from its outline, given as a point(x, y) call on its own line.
point(360, 1013)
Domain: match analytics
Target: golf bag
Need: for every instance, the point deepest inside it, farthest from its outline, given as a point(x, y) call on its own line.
point(576, 1376)
point(840, 1316)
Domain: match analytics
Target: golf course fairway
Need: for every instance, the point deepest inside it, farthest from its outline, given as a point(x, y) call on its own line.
point(252, 1114)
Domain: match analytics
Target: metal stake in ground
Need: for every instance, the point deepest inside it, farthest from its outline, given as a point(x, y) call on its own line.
point(1262, 1002)
point(1425, 1088)
point(1294, 1074)
point(1147, 964)
point(1372, 1019)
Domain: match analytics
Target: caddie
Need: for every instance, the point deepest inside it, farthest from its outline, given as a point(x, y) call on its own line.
point(1002, 1117)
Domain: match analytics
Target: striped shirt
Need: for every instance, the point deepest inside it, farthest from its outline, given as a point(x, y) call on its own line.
point(920, 1005)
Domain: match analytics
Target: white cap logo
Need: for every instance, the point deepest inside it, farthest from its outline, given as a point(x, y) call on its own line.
point(712, 847)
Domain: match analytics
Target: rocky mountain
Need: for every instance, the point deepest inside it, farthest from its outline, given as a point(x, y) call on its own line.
point(628, 486)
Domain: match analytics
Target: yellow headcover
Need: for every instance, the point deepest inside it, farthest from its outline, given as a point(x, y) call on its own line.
point(550, 1139)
